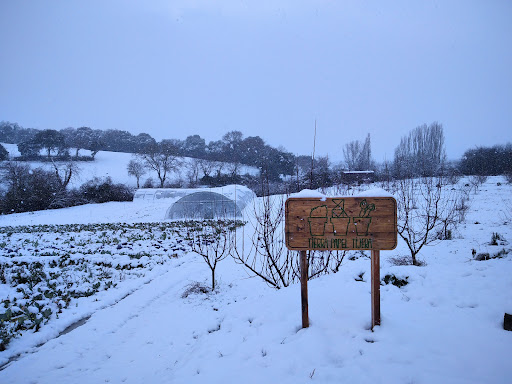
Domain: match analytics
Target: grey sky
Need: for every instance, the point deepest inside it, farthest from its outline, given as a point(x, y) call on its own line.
point(267, 68)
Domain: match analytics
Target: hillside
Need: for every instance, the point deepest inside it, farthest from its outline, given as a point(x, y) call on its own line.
point(113, 165)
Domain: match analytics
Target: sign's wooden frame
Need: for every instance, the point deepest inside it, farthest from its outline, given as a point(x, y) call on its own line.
point(344, 223)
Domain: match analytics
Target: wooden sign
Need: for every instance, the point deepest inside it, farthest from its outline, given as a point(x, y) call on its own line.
point(341, 223)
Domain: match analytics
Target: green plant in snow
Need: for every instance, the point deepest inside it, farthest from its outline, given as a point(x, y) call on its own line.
point(397, 282)
point(496, 239)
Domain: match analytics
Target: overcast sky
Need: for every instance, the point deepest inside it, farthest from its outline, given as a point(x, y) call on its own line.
point(268, 68)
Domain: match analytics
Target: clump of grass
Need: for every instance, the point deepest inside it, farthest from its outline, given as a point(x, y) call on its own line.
point(406, 260)
point(195, 288)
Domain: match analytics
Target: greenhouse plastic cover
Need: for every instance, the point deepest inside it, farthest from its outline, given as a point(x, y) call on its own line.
point(200, 203)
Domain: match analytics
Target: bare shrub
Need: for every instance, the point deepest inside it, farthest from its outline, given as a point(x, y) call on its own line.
point(149, 183)
point(405, 260)
point(421, 209)
point(100, 190)
point(477, 181)
point(506, 211)
point(461, 209)
point(342, 189)
point(195, 288)
point(320, 263)
point(27, 189)
point(267, 257)
point(454, 208)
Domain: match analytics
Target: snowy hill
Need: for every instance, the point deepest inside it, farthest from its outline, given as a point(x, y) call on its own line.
point(444, 326)
point(113, 165)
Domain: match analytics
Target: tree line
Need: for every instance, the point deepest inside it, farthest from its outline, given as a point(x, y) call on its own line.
point(232, 148)
point(420, 153)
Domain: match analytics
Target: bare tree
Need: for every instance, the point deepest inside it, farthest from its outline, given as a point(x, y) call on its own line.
point(136, 168)
point(233, 169)
point(161, 158)
point(267, 256)
point(351, 154)
point(65, 171)
point(95, 145)
point(302, 171)
point(454, 212)
point(206, 166)
point(421, 208)
point(193, 171)
point(219, 166)
point(214, 242)
point(421, 152)
point(358, 156)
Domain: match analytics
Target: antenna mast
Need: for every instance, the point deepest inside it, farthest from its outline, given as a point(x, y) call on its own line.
point(312, 160)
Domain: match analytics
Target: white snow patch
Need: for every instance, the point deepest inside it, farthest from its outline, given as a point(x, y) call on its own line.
point(374, 192)
point(309, 193)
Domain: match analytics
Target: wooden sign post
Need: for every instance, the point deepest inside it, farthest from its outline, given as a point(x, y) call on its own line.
point(342, 223)
point(375, 283)
point(304, 267)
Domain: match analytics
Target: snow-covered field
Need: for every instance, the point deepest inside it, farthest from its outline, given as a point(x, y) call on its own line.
point(444, 326)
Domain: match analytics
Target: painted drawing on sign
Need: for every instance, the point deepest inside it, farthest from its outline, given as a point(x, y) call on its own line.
point(317, 220)
point(340, 221)
point(363, 221)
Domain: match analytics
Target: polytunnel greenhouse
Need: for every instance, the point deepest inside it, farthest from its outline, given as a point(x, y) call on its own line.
point(203, 205)
point(199, 203)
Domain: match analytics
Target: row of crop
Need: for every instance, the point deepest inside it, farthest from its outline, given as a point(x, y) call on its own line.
point(46, 268)
point(109, 227)
point(43, 289)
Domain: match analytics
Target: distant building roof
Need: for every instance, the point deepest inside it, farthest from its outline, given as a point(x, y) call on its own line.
point(357, 172)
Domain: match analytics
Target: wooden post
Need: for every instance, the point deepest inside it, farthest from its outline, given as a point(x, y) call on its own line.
point(375, 283)
point(304, 288)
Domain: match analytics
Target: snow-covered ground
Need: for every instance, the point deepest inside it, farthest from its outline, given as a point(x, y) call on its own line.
point(444, 326)
point(114, 165)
